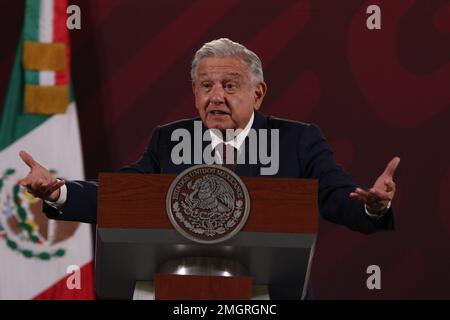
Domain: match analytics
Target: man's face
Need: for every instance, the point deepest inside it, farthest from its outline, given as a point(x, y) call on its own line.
point(225, 97)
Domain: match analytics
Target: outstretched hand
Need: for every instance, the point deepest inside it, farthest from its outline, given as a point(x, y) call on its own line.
point(39, 181)
point(378, 197)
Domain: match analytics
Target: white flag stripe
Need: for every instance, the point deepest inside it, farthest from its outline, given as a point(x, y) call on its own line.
point(47, 78)
point(46, 21)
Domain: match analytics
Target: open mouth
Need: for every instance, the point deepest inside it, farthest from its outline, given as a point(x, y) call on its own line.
point(218, 113)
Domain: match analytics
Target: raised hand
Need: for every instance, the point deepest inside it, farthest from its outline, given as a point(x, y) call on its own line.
point(378, 197)
point(39, 181)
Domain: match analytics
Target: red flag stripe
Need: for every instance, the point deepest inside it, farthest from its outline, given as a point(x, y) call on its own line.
point(60, 291)
point(61, 34)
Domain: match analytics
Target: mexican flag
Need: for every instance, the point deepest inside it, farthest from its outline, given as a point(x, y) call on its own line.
point(41, 258)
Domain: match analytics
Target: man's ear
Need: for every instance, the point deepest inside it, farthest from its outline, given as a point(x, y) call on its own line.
point(260, 92)
point(193, 87)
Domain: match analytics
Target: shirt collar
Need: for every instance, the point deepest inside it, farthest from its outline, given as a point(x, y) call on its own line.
point(239, 137)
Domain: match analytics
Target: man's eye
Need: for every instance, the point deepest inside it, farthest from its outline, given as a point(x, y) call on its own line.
point(206, 86)
point(230, 86)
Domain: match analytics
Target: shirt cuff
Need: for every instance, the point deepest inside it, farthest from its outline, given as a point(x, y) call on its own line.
point(59, 203)
point(379, 215)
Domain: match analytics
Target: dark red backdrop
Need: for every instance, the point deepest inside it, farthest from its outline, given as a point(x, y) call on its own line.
point(375, 94)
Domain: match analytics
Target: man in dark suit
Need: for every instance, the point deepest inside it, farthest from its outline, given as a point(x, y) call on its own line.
point(303, 153)
point(228, 84)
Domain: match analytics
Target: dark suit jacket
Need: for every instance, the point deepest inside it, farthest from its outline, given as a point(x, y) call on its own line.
point(304, 153)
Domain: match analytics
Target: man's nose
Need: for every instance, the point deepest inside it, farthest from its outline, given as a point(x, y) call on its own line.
point(217, 95)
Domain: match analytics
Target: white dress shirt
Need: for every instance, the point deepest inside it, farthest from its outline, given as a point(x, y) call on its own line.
point(236, 141)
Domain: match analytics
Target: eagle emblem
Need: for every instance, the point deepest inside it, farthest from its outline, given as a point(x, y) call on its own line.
point(208, 204)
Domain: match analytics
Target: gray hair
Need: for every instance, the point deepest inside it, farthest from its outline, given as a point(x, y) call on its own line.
point(223, 48)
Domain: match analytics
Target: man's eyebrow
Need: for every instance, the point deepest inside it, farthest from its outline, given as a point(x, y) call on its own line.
point(234, 74)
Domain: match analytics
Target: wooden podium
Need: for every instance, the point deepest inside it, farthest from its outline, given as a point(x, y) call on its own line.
point(135, 238)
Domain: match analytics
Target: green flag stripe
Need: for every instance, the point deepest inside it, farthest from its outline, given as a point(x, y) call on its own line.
point(31, 32)
point(31, 26)
point(14, 123)
point(31, 77)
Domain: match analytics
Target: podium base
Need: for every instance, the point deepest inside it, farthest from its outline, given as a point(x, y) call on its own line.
point(201, 278)
point(145, 290)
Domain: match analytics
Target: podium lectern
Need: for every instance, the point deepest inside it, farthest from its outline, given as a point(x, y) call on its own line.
point(135, 241)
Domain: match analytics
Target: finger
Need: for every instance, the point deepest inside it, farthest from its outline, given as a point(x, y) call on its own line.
point(31, 182)
point(379, 195)
point(45, 192)
point(391, 167)
point(37, 186)
point(28, 159)
point(43, 186)
point(357, 196)
point(25, 181)
point(55, 186)
point(390, 185)
point(360, 194)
